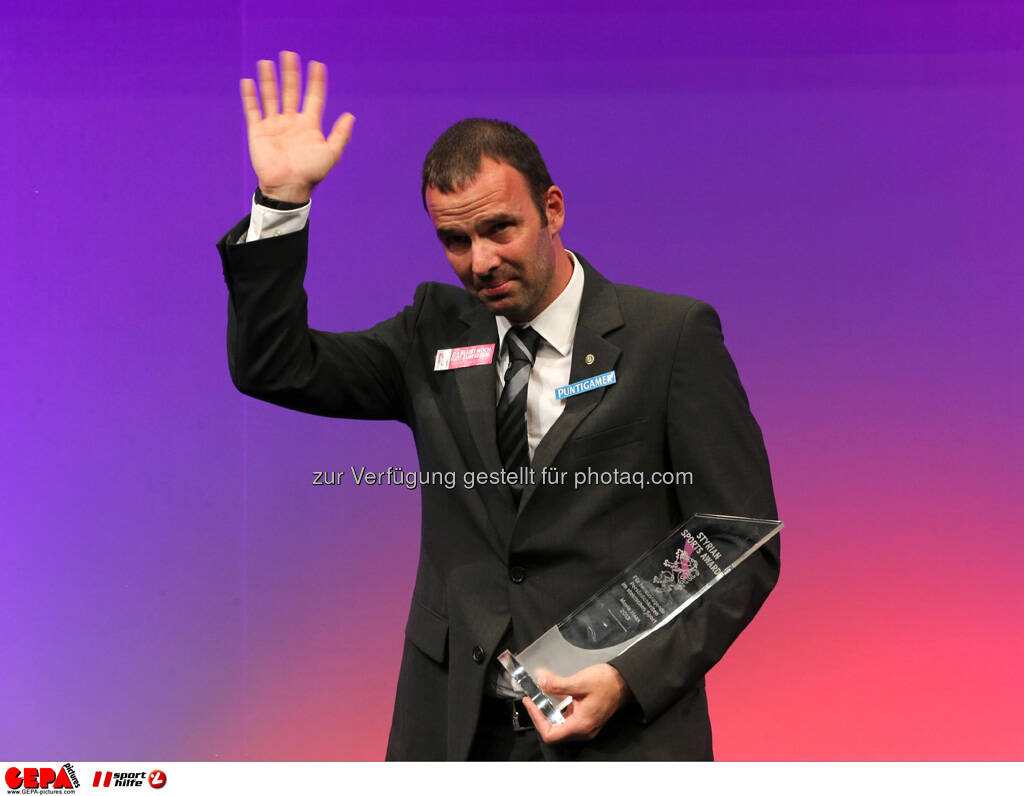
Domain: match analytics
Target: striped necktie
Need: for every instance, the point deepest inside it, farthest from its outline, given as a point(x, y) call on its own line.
point(522, 343)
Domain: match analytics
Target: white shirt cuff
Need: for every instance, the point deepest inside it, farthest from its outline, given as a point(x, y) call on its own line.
point(266, 222)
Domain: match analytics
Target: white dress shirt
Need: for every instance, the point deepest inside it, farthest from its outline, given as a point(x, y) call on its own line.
point(266, 222)
point(557, 327)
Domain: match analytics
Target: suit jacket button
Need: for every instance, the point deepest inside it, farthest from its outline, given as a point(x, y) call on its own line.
point(517, 574)
point(479, 655)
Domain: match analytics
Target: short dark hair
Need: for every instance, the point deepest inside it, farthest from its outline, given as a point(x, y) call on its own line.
point(454, 159)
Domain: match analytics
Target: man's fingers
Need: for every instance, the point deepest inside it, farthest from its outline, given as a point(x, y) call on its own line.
point(550, 733)
point(250, 107)
point(544, 727)
point(289, 81)
point(340, 134)
point(316, 90)
point(268, 88)
point(553, 684)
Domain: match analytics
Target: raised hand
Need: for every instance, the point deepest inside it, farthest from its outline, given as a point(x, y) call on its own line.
point(288, 150)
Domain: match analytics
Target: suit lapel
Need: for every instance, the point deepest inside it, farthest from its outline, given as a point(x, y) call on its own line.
point(476, 388)
point(475, 394)
point(599, 315)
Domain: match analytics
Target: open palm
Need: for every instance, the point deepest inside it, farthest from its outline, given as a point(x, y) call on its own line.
point(289, 152)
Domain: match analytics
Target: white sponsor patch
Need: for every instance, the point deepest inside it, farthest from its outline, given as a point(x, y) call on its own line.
point(465, 357)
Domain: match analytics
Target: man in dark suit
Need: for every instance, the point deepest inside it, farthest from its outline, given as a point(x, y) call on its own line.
point(473, 373)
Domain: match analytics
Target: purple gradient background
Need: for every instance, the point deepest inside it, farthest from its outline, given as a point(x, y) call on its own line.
point(843, 181)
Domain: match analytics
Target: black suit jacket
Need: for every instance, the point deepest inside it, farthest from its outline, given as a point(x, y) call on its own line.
point(677, 405)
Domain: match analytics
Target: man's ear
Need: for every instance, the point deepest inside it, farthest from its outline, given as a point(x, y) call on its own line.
point(554, 208)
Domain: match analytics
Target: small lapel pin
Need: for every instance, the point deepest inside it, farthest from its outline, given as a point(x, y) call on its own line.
point(589, 359)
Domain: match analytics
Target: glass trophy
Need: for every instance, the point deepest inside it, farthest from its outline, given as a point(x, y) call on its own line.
point(641, 599)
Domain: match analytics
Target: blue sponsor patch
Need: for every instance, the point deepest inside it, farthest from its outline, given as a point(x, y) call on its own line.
point(593, 383)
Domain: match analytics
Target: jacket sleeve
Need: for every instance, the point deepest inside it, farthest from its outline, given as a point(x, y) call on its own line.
point(711, 433)
point(273, 355)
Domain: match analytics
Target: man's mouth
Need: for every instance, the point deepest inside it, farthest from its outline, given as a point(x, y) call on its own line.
point(496, 289)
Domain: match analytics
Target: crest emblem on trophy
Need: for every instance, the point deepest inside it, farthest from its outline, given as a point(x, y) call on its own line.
point(677, 572)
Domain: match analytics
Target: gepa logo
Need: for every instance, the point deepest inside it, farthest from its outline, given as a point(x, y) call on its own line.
point(62, 778)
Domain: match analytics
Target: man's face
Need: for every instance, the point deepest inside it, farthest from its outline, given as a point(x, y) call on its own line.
point(492, 234)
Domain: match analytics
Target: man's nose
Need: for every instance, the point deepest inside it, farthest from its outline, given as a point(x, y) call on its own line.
point(485, 258)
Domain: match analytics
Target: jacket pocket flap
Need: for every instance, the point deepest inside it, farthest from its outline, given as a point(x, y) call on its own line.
point(428, 631)
point(607, 439)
